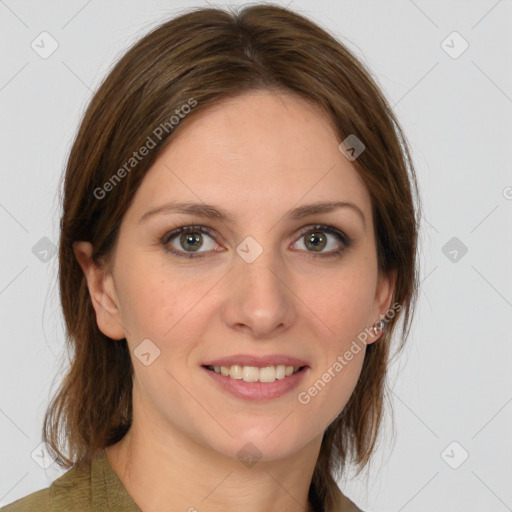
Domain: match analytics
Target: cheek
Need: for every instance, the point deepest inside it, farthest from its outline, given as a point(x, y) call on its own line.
point(172, 309)
point(343, 301)
point(329, 388)
point(342, 312)
point(152, 299)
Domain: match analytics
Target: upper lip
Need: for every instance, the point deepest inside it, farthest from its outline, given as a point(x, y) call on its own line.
point(260, 361)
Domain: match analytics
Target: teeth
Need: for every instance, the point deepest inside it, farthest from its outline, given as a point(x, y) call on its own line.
point(250, 374)
point(235, 371)
point(254, 373)
point(281, 371)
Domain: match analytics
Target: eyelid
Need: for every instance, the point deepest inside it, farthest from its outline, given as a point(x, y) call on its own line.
point(328, 229)
point(192, 227)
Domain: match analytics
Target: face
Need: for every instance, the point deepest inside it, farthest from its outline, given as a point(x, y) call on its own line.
point(254, 282)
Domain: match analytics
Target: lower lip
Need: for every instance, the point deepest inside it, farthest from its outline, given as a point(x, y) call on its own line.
point(257, 391)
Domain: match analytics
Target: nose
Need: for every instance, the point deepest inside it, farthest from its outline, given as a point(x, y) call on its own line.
point(259, 299)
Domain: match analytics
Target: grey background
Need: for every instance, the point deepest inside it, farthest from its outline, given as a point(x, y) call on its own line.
point(453, 381)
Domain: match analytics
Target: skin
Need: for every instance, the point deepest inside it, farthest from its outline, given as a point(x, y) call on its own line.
point(257, 155)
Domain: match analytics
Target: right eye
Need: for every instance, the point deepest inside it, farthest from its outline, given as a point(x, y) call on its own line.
point(186, 241)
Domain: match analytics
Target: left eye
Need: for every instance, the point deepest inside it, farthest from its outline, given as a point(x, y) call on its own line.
point(317, 238)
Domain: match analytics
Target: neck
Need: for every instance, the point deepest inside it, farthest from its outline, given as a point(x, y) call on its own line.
point(157, 467)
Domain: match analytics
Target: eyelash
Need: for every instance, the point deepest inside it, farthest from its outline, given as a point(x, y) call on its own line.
point(341, 237)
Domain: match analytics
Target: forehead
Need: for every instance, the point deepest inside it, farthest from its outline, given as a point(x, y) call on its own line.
point(262, 149)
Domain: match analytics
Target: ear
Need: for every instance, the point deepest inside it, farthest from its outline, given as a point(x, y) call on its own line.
point(102, 292)
point(383, 295)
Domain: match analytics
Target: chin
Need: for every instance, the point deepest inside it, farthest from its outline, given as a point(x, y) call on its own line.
point(253, 442)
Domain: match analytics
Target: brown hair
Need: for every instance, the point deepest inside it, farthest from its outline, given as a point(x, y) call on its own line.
point(205, 56)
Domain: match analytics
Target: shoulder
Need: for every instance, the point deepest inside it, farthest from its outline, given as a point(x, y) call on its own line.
point(70, 491)
point(38, 500)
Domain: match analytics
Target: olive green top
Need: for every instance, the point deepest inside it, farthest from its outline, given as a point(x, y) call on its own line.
point(94, 488)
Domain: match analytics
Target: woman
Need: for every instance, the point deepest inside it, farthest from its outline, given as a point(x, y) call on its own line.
point(238, 243)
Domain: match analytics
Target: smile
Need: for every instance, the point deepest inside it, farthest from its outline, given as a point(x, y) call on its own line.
point(256, 383)
point(255, 373)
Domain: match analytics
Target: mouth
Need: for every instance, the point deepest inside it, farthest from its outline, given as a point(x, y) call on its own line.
point(263, 374)
point(256, 379)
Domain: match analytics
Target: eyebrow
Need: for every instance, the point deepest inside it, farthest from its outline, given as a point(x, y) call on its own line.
point(214, 212)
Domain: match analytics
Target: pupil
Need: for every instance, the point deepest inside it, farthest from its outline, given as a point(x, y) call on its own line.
point(192, 239)
point(317, 241)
